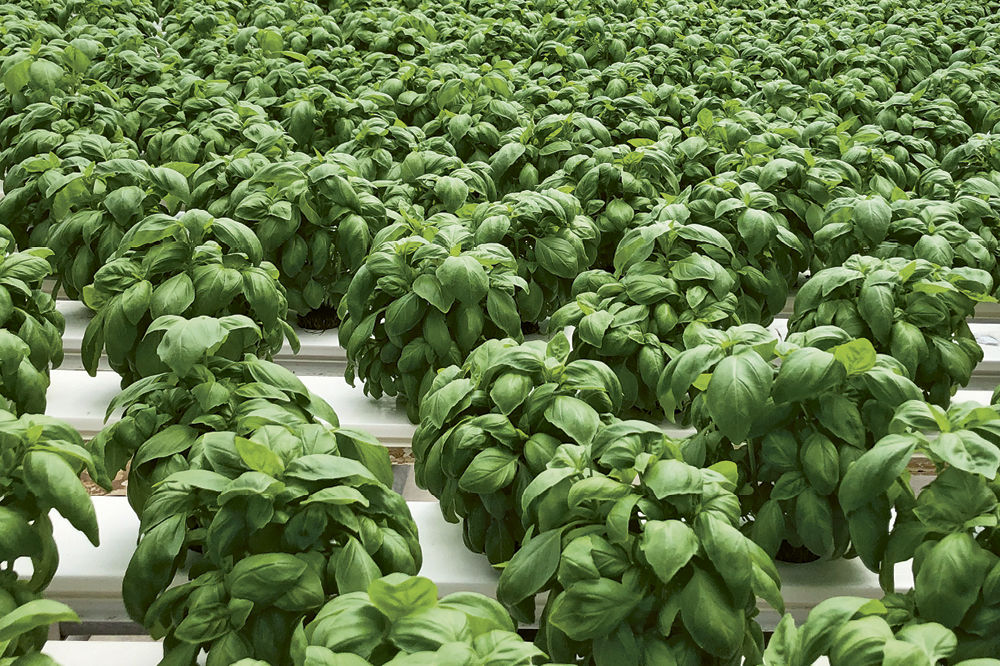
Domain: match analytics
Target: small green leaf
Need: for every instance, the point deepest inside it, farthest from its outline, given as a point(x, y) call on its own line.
point(398, 595)
point(574, 417)
point(464, 277)
point(259, 458)
point(668, 546)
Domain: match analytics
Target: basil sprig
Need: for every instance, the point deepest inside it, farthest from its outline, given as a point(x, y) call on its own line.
point(30, 328)
point(427, 295)
point(489, 427)
point(640, 553)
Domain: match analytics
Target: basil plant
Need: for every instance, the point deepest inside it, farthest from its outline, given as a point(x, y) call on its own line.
point(641, 556)
point(164, 414)
point(487, 428)
point(804, 423)
point(398, 620)
point(187, 267)
point(852, 631)
point(949, 529)
point(30, 328)
point(94, 209)
point(427, 295)
point(282, 520)
point(914, 310)
point(551, 237)
point(42, 461)
point(314, 218)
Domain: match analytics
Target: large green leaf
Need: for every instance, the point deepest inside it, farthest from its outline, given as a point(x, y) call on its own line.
point(737, 393)
point(668, 546)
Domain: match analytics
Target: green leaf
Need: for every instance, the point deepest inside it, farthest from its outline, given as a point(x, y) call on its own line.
point(172, 182)
point(153, 565)
point(756, 228)
point(814, 522)
point(489, 471)
point(557, 256)
point(503, 311)
point(56, 484)
point(590, 609)
point(933, 640)
point(259, 457)
point(841, 416)
point(264, 578)
point(874, 472)
point(593, 327)
point(729, 551)
point(769, 526)
point(188, 341)
point(124, 202)
point(876, 305)
point(510, 390)
point(465, 277)
point(45, 75)
point(773, 172)
point(79, 61)
point(872, 217)
point(820, 462)
point(950, 578)
point(783, 645)
point(574, 417)
point(261, 292)
point(505, 157)
point(858, 356)
point(438, 406)
point(452, 192)
point(739, 389)
point(173, 439)
point(429, 288)
point(270, 42)
point(861, 641)
point(17, 538)
point(531, 568)
point(484, 614)
point(967, 451)
point(806, 373)
point(899, 653)
point(16, 76)
point(668, 546)
point(558, 347)
point(355, 570)
point(669, 478)
point(823, 623)
point(716, 624)
point(398, 595)
point(35, 613)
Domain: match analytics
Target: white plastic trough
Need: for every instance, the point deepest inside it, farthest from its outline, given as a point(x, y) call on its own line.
point(82, 401)
point(89, 579)
point(320, 352)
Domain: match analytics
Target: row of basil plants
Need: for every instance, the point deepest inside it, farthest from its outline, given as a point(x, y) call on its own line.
point(578, 171)
point(42, 457)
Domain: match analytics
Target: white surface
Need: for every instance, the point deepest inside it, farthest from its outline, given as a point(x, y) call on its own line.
point(985, 376)
point(100, 653)
point(131, 653)
point(984, 311)
point(89, 579)
point(805, 585)
point(82, 400)
point(320, 352)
